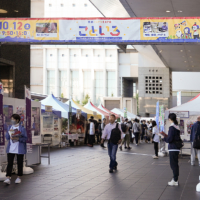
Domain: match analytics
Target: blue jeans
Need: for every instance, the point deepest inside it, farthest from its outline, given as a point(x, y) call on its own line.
point(112, 151)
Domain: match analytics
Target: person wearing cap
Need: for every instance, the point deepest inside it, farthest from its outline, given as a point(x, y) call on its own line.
point(164, 27)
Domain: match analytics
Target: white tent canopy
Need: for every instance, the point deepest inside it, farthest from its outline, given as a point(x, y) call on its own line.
point(193, 106)
point(121, 112)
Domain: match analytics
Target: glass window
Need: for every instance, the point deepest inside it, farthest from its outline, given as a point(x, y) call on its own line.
point(98, 87)
point(111, 84)
point(75, 85)
point(50, 82)
point(87, 83)
point(63, 83)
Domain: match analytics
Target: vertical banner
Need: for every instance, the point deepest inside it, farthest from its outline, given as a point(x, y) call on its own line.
point(2, 136)
point(157, 114)
point(162, 118)
point(179, 98)
point(125, 112)
point(28, 119)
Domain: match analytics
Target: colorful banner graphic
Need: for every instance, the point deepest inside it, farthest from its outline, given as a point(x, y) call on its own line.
point(28, 115)
point(157, 114)
point(162, 118)
point(2, 136)
point(95, 30)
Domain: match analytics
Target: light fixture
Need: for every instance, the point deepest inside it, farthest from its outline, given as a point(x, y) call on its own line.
point(160, 51)
point(168, 11)
point(188, 50)
point(3, 11)
point(181, 50)
point(190, 56)
point(185, 61)
point(188, 69)
point(180, 11)
point(183, 56)
point(16, 11)
point(192, 66)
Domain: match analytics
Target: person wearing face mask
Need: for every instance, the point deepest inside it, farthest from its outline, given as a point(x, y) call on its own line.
point(17, 138)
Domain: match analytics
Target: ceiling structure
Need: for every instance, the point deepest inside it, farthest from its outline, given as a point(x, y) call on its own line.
point(176, 57)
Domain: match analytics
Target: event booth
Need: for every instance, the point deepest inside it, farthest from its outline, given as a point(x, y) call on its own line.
point(187, 114)
point(89, 112)
point(121, 112)
point(92, 107)
point(11, 106)
point(107, 111)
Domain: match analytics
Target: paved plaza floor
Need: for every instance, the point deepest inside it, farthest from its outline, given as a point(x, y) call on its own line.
point(81, 173)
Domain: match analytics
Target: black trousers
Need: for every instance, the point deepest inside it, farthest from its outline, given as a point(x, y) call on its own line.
point(136, 137)
point(86, 138)
point(156, 148)
point(173, 156)
point(20, 158)
point(91, 139)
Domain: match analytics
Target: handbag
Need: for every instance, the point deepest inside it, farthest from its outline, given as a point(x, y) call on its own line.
point(179, 143)
point(196, 143)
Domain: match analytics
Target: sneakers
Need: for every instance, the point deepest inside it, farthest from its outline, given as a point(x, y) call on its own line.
point(111, 171)
point(129, 148)
point(136, 144)
point(120, 148)
point(125, 147)
point(192, 164)
point(155, 157)
point(7, 181)
point(173, 183)
point(18, 180)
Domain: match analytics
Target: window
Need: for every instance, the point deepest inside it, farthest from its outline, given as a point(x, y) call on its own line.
point(111, 84)
point(63, 83)
point(50, 82)
point(51, 55)
point(87, 83)
point(73, 5)
point(62, 5)
point(63, 55)
point(75, 90)
point(50, 5)
point(85, 5)
point(150, 85)
point(98, 87)
point(134, 89)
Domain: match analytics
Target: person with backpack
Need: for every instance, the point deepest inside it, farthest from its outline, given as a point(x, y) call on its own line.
point(136, 130)
point(144, 129)
point(173, 138)
point(113, 133)
point(126, 140)
point(195, 131)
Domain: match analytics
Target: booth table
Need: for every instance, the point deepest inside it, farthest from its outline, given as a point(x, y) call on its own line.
point(44, 145)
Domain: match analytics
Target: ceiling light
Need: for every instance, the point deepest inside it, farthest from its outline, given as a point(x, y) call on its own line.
point(180, 11)
point(188, 69)
point(3, 11)
point(160, 51)
point(181, 50)
point(192, 66)
point(188, 50)
point(16, 11)
point(190, 56)
point(185, 61)
point(183, 56)
point(168, 11)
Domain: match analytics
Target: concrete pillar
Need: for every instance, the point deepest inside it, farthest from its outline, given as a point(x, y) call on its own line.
point(44, 72)
point(56, 74)
point(117, 73)
point(80, 77)
point(68, 74)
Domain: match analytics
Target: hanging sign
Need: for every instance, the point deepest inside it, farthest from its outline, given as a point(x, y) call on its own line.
point(48, 108)
point(78, 113)
point(179, 98)
point(94, 113)
point(2, 136)
point(181, 114)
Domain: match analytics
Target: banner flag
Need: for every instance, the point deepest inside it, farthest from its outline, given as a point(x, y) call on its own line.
point(104, 30)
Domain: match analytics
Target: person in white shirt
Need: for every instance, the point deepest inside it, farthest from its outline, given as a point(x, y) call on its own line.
point(91, 133)
point(112, 131)
point(155, 132)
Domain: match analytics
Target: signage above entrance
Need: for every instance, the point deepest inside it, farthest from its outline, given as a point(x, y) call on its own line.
point(100, 30)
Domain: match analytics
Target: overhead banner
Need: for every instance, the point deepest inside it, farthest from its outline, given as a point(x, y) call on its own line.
point(96, 30)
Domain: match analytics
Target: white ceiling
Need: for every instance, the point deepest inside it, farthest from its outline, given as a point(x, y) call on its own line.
point(171, 55)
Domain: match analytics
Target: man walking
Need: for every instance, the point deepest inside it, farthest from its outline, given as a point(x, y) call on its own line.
point(101, 129)
point(195, 131)
point(113, 133)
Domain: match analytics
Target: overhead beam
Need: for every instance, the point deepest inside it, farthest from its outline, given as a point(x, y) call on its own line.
point(127, 8)
point(122, 47)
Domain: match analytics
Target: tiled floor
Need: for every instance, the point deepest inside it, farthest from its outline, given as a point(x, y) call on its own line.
point(81, 173)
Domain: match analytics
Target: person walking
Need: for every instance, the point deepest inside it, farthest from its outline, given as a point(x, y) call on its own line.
point(155, 139)
point(136, 130)
point(195, 131)
point(126, 139)
point(91, 133)
point(114, 134)
point(103, 124)
point(144, 129)
point(172, 137)
point(17, 138)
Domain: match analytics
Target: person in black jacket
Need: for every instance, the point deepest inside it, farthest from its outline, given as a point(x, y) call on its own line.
point(195, 132)
point(173, 135)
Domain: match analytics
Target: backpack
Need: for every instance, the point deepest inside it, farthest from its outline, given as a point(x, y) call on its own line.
point(115, 136)
point(123, 127)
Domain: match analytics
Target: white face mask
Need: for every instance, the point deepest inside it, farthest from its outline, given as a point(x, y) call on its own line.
point(13, 122)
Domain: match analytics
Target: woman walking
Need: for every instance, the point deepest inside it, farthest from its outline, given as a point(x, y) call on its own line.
point(17, 137)
point(172, 137)
point(155, 139)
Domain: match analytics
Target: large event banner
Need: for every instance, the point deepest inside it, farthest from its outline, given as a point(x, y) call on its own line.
point(97, 30)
